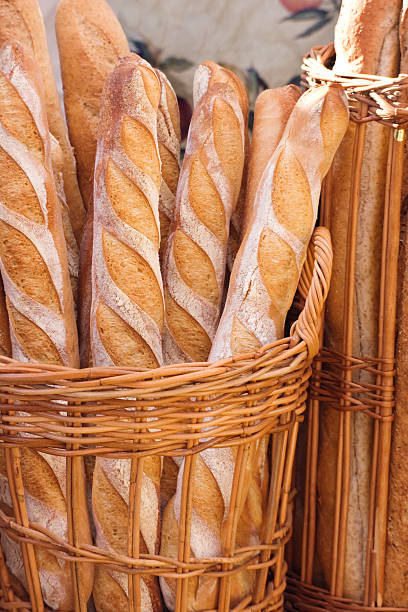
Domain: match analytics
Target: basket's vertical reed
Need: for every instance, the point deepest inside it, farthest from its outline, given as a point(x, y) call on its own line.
point(279, 442)
point(135, 495)
point(236, 503)
point(73, 501)
point(240, 487)
point(186, 507)
point(20, 512)
point(286, 489)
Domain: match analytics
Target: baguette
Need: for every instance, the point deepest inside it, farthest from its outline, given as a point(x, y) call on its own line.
point(90, 41)
point(366, 41)
point(32, 245)
point(168, 136)
point(208, 74)
point(272, 110)
point(396, 585)
point(258, 300)
point(21, 20)
point(34, 267)
point(5, 343)
point(127, 309)
point(207, 193)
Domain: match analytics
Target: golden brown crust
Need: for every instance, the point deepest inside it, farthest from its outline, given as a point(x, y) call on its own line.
point(366, 37)
point(34, 266)
point(266, 272)
point(126, 275)
point(85, 290)
point(127, 311)
point(36, 277)
point(271, 113)
point(208, 189)
point(211, 74)
point(90, 41)
point(366, 41)
point(21, 20)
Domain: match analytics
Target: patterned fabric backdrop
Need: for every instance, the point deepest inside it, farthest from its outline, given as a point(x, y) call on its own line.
point(262, 40)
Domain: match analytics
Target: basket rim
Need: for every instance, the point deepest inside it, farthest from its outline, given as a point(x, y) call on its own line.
point(303, 342)
point(385, 97)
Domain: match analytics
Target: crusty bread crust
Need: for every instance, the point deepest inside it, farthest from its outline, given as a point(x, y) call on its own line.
point(33, 255)
point(127, 309)
point(286, 204)
point(207, 193)
point(272, 110)
point(34, 267)
point(21, 20)
point(208, 74)
point(90, 41)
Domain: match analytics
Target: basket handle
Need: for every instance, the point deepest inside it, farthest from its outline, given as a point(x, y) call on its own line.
point(314, 286)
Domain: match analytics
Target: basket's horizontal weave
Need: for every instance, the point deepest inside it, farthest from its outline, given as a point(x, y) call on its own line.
point(246, 400)
point(308, 598)
point(146, 564)
point(331, 385)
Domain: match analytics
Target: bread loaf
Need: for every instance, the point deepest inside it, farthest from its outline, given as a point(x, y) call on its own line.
point(33, 263)
point(90, 41)
point(168, 136)
point(396, 584)
point(366, 41)
point(262, 287)
point(21, 20)
point(5, 344)
point(207, 193)
point(271, 113)
point(208, 74)
point(32, 246)
point(127, 302)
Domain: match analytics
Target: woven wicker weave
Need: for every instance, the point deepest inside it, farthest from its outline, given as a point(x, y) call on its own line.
point(235, 402)
point(380, 99)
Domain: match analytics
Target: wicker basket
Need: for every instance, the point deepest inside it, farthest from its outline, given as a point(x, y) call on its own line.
point(380, 99)
point(246, 397)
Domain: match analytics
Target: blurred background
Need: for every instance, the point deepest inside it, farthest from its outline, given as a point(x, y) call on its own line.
point(263, 41)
